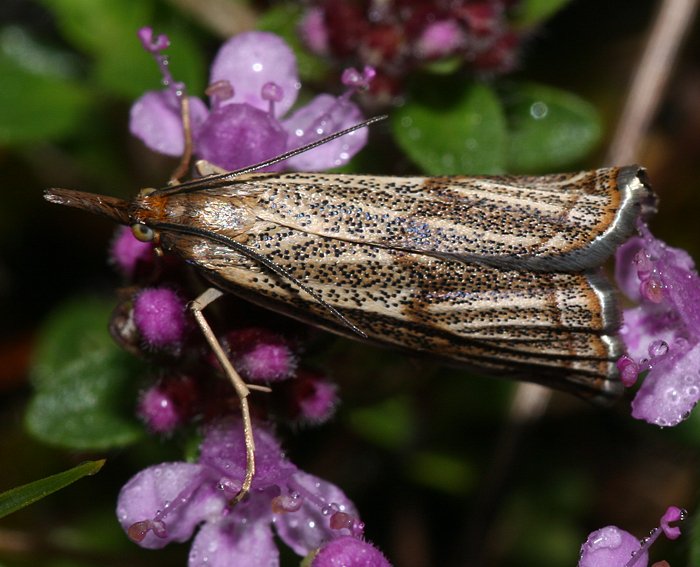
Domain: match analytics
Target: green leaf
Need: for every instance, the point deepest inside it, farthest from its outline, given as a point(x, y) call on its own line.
point(442, 472)
point(532, 12)
point(452, 127)
point(85, 384)
point(550, 129)
point(389, 424)
point(283, 19)
point(35, 106)
point(107, 30)
point(17, 498)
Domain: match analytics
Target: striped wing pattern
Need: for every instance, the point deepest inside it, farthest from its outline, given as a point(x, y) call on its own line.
point(499, 273)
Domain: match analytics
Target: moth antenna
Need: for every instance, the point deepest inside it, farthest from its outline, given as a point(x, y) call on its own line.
point(223, 179)
point(275, 268)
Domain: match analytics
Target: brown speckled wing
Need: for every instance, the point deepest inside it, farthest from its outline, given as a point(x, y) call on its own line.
point(565, 222)
point(554, 328)
point(498, 273)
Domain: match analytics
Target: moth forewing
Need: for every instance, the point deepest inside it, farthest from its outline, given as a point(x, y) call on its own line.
point(557, 328)
point(566, 222)
point(498, 273)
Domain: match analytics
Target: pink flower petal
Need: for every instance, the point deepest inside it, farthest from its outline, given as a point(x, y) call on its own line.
point(610, 547)
point(128, 253)
point(312, 29)
point(157, 488)
point(155, 119)
point(238, 135)
point(440, 38)
point(223, 448)
point(309, 526)
point(227, 543)
point(626, 268)
point(324, 116)
point(642, 326)
point(670, 390)
point(251, 59)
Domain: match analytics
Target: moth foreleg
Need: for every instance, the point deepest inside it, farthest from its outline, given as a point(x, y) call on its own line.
point(242, 389)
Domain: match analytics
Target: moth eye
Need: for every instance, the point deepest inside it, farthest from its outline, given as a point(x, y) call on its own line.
point(142, 232)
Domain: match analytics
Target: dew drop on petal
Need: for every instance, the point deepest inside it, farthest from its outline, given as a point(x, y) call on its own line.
point(658, 348)
point(652, 289)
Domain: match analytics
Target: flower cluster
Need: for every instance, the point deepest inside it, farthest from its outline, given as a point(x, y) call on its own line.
point(154, 322)
point(662, 334)
point(613, 547)
point(253, 85)
point(397, 36)
point(167, 502)
point(170, 501)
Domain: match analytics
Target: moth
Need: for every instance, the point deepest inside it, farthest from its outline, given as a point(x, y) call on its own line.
point(498, 273)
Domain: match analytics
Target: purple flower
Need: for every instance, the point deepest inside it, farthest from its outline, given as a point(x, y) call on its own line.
point(349, 551)
point(253, 84)
point(167, 502)
point(128, 253)
point(662, 334)
point(613, 547)
point(160, 317)
point(166, 405)
point(261, 355)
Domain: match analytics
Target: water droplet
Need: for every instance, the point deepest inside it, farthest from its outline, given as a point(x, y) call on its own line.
point(539, 110)
point(658, 348)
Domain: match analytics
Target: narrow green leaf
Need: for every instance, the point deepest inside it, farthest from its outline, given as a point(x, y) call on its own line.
point(452, 127)
point(85, 384)
point(21, 496)
point(550, 129)
point(532, 12)
point(35, 106)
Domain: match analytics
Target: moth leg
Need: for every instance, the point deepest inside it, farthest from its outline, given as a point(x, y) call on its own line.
point(242, 390)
